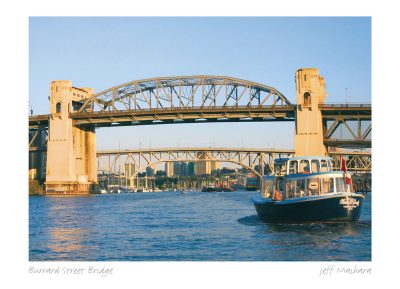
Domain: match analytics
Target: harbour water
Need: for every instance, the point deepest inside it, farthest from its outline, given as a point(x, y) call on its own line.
point(196, 226)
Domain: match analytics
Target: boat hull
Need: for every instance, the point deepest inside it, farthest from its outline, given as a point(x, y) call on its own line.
point(334, 208)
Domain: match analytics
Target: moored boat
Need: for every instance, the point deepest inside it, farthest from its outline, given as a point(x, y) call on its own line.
point(306, 189)
point(252, 183)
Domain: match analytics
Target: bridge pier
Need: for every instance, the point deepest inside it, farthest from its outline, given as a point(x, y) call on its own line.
point(71, 151)
point(309, 134)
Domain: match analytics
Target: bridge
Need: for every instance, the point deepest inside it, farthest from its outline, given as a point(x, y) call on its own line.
point(111, 161)
point(248, 158)
point(65, 138)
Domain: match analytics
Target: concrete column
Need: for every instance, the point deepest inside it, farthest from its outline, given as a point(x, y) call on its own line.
point(310, 92)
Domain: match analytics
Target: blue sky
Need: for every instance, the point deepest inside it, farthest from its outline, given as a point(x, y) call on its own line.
point(103, 52)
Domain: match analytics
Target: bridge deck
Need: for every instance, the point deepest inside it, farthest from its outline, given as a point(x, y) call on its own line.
point(240, 113)
point(330, 112)
point(192, 114)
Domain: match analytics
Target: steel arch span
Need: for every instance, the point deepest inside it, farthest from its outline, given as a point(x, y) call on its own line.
point(141, 159)
point(205, 91)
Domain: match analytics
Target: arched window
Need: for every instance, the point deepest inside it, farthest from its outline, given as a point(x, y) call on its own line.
point(307, 99)
point(58, 107)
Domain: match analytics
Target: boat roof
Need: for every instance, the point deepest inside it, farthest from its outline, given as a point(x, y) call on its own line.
point(284, 160)
point(307, 176)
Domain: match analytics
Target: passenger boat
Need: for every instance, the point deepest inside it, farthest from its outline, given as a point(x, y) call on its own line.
point(307, 189)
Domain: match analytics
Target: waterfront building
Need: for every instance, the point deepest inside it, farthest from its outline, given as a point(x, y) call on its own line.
point(192, 168)
point(214, 165)
point(150, 170)
point(177, 169)
point(184, 168)
point(169, 169)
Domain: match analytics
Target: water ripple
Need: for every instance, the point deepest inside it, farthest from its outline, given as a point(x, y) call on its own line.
point(191, 227)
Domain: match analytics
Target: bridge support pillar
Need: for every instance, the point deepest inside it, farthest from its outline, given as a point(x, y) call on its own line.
point(71, 151)
point(34, 166)
point(310, 92)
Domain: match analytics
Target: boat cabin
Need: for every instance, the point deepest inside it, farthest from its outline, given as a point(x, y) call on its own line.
point(302, 165)
point(303, 177)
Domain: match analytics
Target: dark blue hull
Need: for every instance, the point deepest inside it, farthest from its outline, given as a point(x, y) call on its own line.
point(329, 208)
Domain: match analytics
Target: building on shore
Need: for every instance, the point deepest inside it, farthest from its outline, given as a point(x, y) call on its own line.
point(184, 168)
point(215, 165)
point(150, 170)
point(169, 169)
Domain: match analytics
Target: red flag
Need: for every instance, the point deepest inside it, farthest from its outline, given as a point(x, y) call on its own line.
point(343, 168)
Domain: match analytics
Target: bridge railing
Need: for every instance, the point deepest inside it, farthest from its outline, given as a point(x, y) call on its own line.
point(345, 105)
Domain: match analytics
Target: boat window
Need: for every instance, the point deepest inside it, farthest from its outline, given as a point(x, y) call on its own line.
point(327, 185)
point(290, 189)
point(315, 166)
point(300, 189)
point(280, 169)
point(293, 167)
point(267, 188)
point(330, 165)
point(340, 184)
point(313, 186)
point(324, 166)
point(304, 166)
point(280, 185)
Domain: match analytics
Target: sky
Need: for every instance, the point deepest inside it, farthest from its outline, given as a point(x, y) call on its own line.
point(103, 52)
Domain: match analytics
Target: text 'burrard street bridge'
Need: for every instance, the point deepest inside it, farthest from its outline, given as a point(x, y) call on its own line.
point(65, 139)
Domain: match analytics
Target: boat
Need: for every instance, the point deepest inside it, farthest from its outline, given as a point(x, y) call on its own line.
point(216, 189)
point(142, 190)
point(252, 183)
point(120, 190)
point(104, 191)
point(208, 189)
point(307, 189)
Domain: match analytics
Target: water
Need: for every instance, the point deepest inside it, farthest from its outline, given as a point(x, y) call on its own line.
point(183, 227)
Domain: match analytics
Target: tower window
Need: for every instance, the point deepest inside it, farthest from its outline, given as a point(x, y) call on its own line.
point(307, 99)
point(58, 107)
point(305, 77)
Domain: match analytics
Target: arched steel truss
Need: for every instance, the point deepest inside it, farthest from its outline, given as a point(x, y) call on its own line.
point(184, 92)
point(113, 161)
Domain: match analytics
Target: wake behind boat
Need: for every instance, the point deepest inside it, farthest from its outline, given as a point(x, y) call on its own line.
point(306, 189)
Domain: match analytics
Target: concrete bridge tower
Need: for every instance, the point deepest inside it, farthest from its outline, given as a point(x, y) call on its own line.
point(310, 92)
point(71, 151)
